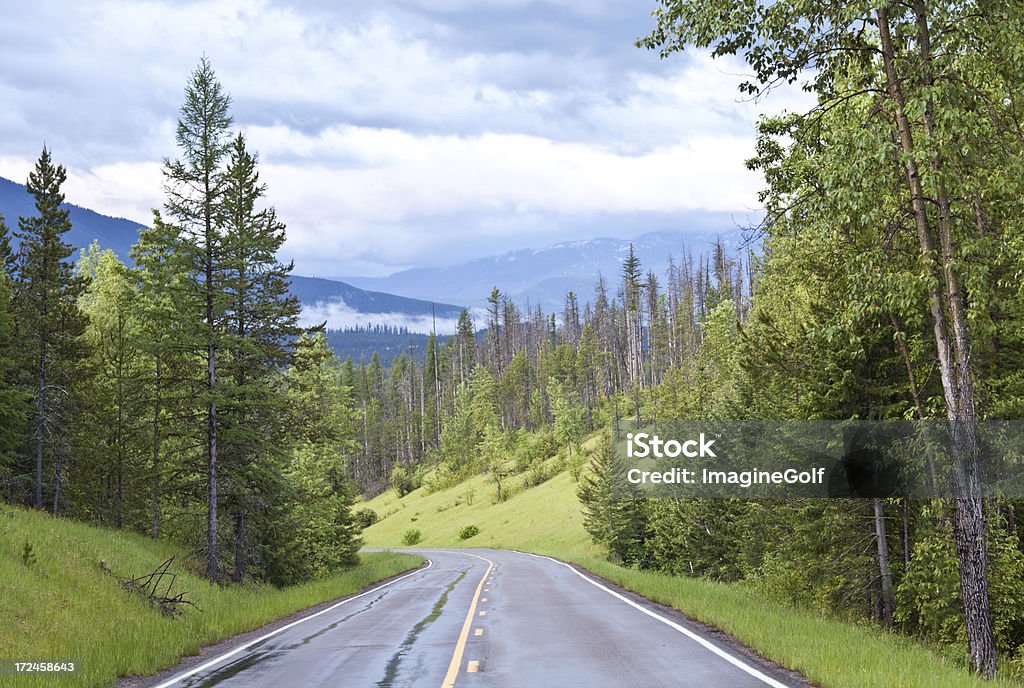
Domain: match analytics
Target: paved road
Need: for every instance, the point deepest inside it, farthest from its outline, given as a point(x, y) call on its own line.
point(478, 618)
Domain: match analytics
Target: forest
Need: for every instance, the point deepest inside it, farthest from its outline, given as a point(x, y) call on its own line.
point(887, 286)
point(178, 397)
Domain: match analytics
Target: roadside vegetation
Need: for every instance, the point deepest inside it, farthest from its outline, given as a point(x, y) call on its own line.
point(548, 519)
point(66, 602)
point(179, 397)
point(884, 283)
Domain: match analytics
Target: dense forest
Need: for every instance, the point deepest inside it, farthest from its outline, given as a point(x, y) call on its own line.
point(179, 397)
point(888, 286)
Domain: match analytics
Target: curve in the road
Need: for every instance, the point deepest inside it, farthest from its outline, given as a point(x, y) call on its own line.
point(486, 618)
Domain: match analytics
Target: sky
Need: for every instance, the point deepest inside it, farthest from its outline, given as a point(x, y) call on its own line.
point(393, 134)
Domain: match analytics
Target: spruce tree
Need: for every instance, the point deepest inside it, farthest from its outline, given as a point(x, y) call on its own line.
point(49, 320)
point(12, 398)
point(260, 325)
point(195, 185)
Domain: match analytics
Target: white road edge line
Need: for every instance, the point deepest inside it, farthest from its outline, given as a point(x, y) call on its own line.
point(735, 661)
point(217, 660)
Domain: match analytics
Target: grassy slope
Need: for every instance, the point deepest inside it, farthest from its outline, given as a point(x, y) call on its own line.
point(63, 607)
point(547, 520)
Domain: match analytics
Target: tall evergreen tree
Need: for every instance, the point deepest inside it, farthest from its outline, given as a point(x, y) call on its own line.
point(49, 320)
point(260, 325)
point(194, 186)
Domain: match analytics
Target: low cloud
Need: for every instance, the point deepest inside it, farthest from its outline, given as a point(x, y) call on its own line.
point(338, 316)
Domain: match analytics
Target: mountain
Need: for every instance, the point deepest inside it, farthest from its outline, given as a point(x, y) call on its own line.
point(543, 276)
point(316, 290)
point(341, 305)
point(87, 226)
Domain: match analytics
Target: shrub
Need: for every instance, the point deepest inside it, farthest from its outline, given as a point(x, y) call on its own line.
point(412, 537)
point(401, 481)
point(365, 517)
point(468, 531)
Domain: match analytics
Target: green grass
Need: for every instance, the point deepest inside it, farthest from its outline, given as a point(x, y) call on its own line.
point(64, 607)
point(547, 520)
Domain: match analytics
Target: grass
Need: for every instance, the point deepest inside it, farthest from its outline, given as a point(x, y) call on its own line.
point(64, 607)
point(547, 519)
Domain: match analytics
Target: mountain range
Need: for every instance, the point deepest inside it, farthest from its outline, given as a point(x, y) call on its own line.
point(340, 304)
point(419, 300)
point(543, 276)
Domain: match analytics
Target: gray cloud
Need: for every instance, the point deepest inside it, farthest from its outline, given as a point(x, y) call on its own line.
point(391, 133)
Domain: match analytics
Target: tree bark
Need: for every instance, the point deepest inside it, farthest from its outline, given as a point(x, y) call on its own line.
point(888, 599)
point(154, 528)
point(953, 349)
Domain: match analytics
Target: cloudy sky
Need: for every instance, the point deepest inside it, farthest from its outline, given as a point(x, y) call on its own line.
point(392, 134)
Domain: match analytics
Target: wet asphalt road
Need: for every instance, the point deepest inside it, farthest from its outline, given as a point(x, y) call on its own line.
point(478, 618)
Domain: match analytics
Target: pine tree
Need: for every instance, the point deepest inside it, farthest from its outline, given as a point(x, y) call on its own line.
point(49, 320)
point(194, 186)
point(169, 320)
point(616, 521)
point(260, 324)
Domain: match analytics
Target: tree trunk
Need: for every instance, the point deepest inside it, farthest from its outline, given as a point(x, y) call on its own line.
point(40, 418)
point(240, 536)
point(888, 599)
point(953, 355)
point(154, 528)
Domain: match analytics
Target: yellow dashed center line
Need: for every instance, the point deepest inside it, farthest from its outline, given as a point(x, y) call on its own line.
point(483, 613)
point(473, 666)
point(478, 632)
point(460, 645)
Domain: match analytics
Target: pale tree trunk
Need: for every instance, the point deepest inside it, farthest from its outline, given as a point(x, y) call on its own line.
point(154, 529)
point(953, 349)
point(888, 601)
point(211, 408)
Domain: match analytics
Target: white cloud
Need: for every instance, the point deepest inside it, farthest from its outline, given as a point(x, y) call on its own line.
point(338, 315)
point(395, 179)
point(386, 128)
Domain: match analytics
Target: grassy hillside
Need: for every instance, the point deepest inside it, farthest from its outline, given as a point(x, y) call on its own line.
point(547, 519)
point(63, 606)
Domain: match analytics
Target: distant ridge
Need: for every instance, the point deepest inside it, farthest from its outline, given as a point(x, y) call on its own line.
point(87, 225)
point(543, 276)
point(341, 304)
